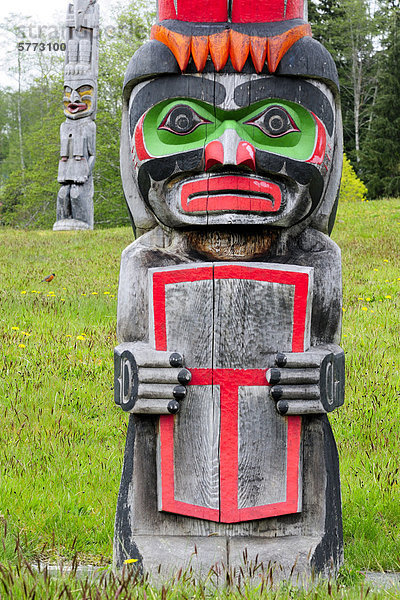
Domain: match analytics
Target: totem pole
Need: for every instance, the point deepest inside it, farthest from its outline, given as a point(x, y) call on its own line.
point(78, 133)
point(229, 308)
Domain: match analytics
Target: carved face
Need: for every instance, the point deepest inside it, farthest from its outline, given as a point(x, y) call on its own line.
point(78, 101)
point(232, 149)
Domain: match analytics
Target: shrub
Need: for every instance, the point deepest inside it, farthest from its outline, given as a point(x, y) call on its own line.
point(351, 188)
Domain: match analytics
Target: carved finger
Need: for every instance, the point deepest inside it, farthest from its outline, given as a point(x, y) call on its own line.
point(168, 375)
point(299, 407)
point(155, 390)
point(298, 360)
point(151, 358)
point(155, 406)
point(295, 392)
point(293, 376)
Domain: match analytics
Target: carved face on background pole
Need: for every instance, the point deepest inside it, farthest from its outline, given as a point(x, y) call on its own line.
point(79, 98)
point(232, 149)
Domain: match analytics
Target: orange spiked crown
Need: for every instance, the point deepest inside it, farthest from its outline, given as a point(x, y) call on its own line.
point(267, 36)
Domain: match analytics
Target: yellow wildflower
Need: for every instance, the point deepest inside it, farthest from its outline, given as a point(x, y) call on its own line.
point(21, 346)
point(15, 328)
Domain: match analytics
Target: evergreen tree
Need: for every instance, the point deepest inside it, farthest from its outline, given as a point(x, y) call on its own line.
point(347, 29)
point(381, 156)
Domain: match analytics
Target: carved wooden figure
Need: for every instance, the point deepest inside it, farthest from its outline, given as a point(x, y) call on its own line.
point(78, 133)
point(229, 310)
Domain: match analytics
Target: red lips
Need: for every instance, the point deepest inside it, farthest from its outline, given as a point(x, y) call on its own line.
point(230, 193)
point(75, 107)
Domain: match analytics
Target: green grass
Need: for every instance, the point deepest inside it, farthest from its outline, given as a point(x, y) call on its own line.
point(62, 437)
point(25, 582)
point(367, 428)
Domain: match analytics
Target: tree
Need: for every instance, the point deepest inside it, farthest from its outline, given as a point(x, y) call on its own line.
point(381, 155)
point(347, 29)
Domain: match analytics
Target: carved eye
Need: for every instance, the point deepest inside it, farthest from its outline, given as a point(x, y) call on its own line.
point(182, 120)
point(84, 88)
point(275, 122)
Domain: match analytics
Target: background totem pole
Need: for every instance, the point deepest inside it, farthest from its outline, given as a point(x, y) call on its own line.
point(229, 310)
point(78, 133)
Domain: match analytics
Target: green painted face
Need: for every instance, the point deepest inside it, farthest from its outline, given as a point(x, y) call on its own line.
point(276, 126)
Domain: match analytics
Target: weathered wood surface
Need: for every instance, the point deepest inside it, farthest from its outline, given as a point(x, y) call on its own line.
point(228, 320)
point(262, 450)
point(228, 461)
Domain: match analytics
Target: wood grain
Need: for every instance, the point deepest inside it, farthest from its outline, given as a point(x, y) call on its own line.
point(189, 309)
point(262, 449)
point(252, 320)
point(196, 437)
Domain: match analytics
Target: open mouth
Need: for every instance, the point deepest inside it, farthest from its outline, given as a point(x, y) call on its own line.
point(230, 193)
point(75, 107)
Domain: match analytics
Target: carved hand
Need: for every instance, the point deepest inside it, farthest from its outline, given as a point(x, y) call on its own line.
point(147, 381)
point(308, 382)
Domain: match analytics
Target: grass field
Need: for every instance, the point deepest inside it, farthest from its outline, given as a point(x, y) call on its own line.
point(62, 438)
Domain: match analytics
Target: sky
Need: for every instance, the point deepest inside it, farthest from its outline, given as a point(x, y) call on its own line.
point(50, 15)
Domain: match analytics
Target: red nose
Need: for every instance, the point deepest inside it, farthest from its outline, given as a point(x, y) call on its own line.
point(214, 154)
point(245, 155)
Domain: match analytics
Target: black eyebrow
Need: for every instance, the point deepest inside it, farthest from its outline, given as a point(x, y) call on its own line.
point(174, 87)
point(301, 92)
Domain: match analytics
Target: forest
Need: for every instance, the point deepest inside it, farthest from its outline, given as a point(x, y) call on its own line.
point(363, 38)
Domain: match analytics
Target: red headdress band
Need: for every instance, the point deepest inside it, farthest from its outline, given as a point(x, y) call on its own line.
point(236, 11)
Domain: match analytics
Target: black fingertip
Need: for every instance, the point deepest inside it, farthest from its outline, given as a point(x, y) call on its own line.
point(176, 360)
point(173, 407)
point(280, 359)
point(282, 407)
point(184, 376)
point(179, 392)
point(277, 392)
point(273, 376)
